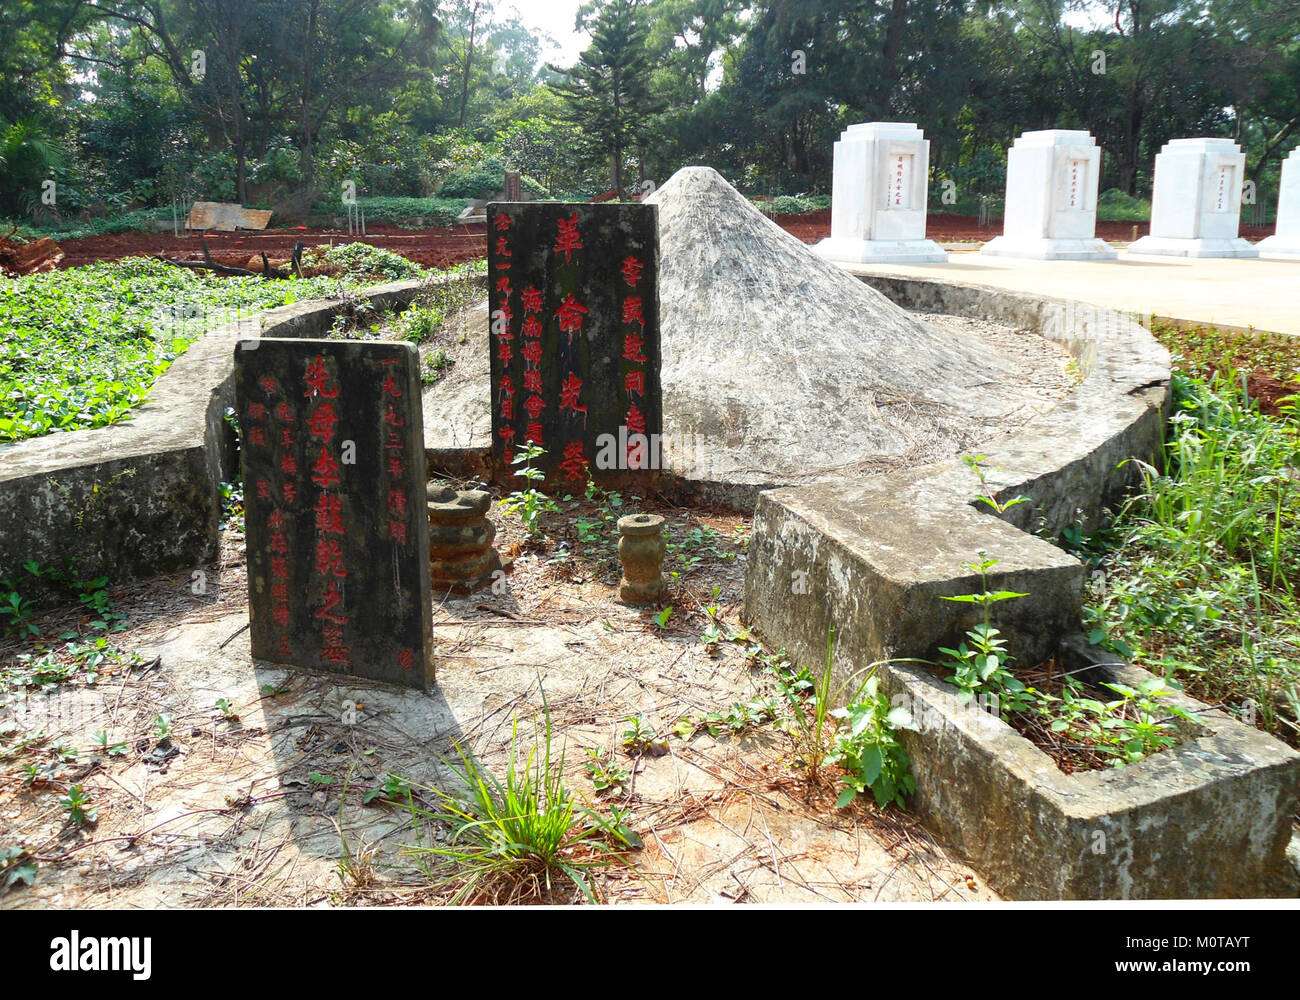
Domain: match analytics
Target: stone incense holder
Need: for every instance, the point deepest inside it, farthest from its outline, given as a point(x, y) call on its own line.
point(641, 550)
point(461, 556)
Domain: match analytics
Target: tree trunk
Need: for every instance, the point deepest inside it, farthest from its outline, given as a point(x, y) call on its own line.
point(894, 41)
point(237, 115)
point(306, 158)
point(469, 59)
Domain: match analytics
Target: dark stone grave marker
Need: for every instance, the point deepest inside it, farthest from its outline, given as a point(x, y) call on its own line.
point(573, 307)
point(334, 506)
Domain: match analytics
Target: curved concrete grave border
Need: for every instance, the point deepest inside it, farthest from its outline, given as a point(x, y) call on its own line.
point(142, 496)
point(1210, 817)
point(872, 558)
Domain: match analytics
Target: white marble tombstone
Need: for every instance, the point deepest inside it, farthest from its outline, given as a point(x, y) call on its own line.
point(1051, 210)
point(1196, 201)
point(878, 196)
point(1284, 244)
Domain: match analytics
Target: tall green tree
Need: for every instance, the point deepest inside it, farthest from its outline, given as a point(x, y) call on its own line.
point(608, 90)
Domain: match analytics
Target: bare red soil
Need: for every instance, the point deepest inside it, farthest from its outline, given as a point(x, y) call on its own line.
point(946, 228)
point(447, 245)
point(439, 247)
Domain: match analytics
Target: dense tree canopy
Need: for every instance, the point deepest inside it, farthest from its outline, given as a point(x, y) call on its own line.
point(131, 103)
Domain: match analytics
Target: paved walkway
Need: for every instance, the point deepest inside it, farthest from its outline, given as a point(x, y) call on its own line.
point(1263, 294)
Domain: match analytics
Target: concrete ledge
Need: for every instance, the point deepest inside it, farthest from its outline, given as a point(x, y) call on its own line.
point(1049, 249)
point(1170, 246)
point(874, 557)
point(142, 495)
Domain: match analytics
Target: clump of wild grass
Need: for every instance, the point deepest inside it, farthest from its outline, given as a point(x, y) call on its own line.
point(518, 840)
point(1202, 567)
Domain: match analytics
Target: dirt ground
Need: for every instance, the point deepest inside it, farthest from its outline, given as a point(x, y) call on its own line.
point(444, 246)
point(945, 228)
point(434, 247)
point(267, 809)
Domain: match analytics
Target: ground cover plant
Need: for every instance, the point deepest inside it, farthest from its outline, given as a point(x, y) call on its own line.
point(1270, 362)
point(79, 348)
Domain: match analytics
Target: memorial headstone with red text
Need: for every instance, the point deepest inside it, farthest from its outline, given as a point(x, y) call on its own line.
point(334, 506)
point(574, 331)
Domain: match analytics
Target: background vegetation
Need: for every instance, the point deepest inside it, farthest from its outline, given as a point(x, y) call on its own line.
point(421, 99)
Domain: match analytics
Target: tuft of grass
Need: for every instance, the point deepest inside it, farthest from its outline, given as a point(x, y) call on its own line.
point(523, 838)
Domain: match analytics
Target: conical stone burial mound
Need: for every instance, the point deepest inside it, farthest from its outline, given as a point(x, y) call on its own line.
point(779, 367)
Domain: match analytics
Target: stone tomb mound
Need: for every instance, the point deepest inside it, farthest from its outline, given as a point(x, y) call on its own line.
point(780, 368)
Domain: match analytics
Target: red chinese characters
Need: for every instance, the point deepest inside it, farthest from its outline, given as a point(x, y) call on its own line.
point(321, 423)
point(569, 394)
point(632, 344)
point(632, 310)
point(329, 515)
point(502, 226)
point(502, 316)
point(330, 566)
point(397, 513)
point(506, 393)
point(567, 238)
point(574, 465)
point(570, 315)
point(325, 471)
point(329, 557)
point(318, 380)
point(279, 576)
point(633, 351)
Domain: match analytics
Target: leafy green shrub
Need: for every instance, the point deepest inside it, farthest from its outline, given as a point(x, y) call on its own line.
point(482, 180)
point(1114, 205)
point(866, 746)
point(858, 737)
point(361, 261)
point(798, 204)
point(399, 211)
point(532, 503)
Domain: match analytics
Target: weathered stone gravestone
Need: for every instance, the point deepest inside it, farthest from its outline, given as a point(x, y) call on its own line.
point(1196, 201)
point(574, 326)
point(514, 187)
point(334, 507)
point(1051, 207)
point(878, 196)
point(1284, 244)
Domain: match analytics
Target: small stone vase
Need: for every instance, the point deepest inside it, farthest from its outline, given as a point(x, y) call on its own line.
point(641, 550)
point(461, 556)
